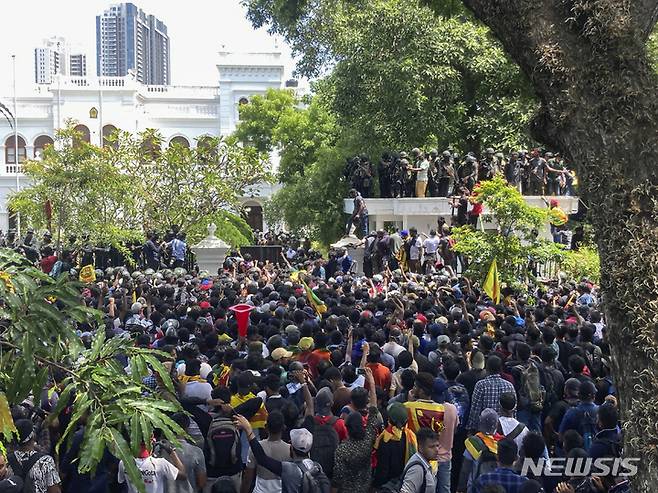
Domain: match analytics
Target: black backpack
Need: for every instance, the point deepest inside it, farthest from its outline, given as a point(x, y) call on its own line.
point(22, 469)
point(325, 442)
point(314, 480)
point(222, 443)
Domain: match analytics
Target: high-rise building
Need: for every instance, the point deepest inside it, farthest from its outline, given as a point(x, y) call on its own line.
point(54, 57)
point(129, 40)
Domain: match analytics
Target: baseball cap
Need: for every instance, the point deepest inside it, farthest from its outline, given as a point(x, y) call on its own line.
point(442, 320)
point(301, 439)
point(279, 353)
point(306, 343)
point(135, 308)
point(488, 421)
point(442, 339)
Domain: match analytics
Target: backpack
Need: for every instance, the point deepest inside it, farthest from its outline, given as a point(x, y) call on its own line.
point(314, 480)
point(461, 401)
point(587, 427)
point(223, 443)
point(593, 358)
point(485, 464)
point(325, 442)
point(22, 469)
point(551, 396)
point(395, 485)
point(531, 391)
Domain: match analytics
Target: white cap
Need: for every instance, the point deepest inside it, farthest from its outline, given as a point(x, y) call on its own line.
point(301, 439)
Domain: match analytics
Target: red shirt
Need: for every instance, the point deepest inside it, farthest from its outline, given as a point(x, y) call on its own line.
point(47, 263)
point(339, 425)
point(314, 359)
point(381, 375)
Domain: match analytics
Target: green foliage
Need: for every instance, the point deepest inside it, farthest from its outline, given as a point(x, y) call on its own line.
point(401, 77)
point(230, 227)
point(38, 340)
point(515, 241)
point(313, 205)
point(86, 190)
point(652, 49)
point(134, 184)
point(260, 117)
point(584, 262)
point(180, 185)
point(428, 84)
point(277, 120)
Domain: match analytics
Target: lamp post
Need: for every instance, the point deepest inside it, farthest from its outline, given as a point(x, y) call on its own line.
point(16, 156)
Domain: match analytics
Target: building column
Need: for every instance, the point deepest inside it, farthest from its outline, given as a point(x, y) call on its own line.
point(405, 222)
point(379, 222)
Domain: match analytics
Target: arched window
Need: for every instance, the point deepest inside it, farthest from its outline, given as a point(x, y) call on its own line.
point(242, 101)
point(108, 130)
point(93, 113)
point(83, 132)
point(40, 144)
point(180, 141)
point(10, 151)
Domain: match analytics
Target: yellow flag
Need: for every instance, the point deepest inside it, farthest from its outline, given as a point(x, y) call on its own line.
point(87, 274)
point(491, 284)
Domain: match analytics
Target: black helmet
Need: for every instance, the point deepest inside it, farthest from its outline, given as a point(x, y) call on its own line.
point(470, 159)
point(447, 154)
point(489, 150)
point(434, 153)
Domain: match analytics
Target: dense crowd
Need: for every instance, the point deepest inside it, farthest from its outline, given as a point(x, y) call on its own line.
point(428, 174)
point(413, 381)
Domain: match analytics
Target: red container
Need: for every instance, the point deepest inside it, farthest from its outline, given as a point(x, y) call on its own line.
point(242, 316)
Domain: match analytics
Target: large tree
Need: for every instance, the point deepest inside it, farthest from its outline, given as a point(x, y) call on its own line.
point(401, 79)
point(588, 65)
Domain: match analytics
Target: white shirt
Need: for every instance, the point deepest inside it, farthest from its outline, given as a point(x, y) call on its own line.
point(508, 424)
point(392, 348)
point(414, 250)
point(422, 174)
point(431, 244)
point(155, 471)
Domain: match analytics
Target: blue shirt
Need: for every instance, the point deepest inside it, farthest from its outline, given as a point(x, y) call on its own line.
point(574, 418)
point(178, 248)
point(502, 476)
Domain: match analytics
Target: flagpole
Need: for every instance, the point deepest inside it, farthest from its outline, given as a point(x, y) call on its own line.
point(16, 157)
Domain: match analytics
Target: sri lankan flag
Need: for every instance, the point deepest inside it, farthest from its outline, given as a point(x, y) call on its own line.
point(491, 284)
point(87, 274)
point(317, 303)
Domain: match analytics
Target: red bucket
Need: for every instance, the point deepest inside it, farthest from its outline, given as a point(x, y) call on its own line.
point(242, 316)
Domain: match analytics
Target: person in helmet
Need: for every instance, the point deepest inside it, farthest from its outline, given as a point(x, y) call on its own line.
point(445, 174)
point(488, 167)
point(468, 172)
point(385, 173)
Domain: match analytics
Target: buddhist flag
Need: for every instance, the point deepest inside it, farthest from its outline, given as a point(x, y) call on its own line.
point(491, 284)
point(316, 302)
point(87, 274)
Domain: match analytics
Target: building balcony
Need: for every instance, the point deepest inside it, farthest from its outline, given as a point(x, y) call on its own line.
point(423, 213)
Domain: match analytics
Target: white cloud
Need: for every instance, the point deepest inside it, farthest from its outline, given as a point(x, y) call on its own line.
point(197, 28)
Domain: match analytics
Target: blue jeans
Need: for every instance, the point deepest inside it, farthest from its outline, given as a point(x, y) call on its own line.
point(443, 477)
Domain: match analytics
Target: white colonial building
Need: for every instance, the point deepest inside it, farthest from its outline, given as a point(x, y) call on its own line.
point(100, 105)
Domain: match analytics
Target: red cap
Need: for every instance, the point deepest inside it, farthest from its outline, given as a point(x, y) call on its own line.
point(204, 305)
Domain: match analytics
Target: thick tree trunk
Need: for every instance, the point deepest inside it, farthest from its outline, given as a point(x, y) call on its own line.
point(587, 63)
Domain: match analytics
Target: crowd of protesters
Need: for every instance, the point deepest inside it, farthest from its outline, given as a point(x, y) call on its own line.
point(428, 174)
point(400, 380)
